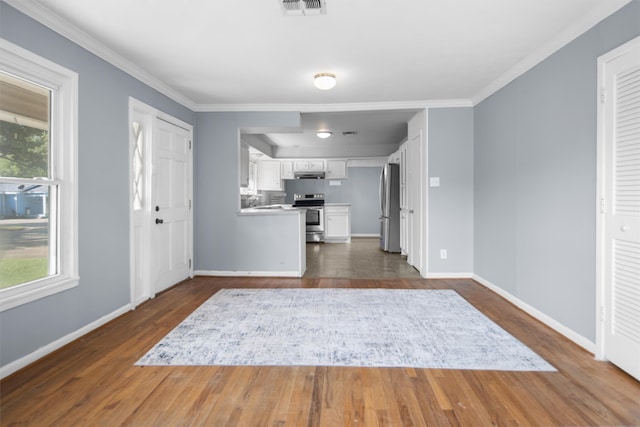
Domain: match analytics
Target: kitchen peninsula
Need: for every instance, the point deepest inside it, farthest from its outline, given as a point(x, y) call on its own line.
point(279, 228)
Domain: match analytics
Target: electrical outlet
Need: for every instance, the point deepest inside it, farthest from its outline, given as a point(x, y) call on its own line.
point(443, 254)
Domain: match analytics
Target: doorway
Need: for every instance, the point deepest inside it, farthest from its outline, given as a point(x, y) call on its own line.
point(161, 232)
point(360, 259)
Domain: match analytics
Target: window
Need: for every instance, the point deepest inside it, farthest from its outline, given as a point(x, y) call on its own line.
point(38, 189)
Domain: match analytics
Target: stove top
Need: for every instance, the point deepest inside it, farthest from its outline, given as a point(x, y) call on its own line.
point(316, 199)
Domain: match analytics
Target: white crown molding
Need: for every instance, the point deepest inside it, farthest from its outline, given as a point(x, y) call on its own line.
point(48, 18)
point(602, 11)
point(51, 20)
point(325, 108)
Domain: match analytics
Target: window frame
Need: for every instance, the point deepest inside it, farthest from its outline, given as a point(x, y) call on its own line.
point(63, 137)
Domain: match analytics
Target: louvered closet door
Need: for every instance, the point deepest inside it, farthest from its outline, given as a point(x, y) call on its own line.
point(622, 211)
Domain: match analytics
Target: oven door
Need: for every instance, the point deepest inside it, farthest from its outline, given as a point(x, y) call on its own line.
point(315, 219)
point(315, 224)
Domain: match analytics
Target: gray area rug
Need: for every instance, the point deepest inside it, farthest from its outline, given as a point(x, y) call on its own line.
point(342, 327)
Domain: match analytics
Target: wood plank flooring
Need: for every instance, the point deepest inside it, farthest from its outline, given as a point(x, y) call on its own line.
point(362, 258)
point(93, 381)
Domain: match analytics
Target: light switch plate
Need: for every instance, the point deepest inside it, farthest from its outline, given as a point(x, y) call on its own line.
point(434, 181)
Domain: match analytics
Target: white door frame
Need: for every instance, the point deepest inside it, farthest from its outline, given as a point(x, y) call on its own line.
point(149, 114)
point(601, 283)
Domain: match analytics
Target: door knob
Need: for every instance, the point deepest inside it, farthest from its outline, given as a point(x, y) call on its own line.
point(625, 228)
point(159, 221)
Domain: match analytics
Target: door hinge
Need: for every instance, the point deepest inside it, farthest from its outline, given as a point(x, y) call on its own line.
point(189, 262)
point(189, 204)
point(189, 144)
point(603, 206)
point(603, 96)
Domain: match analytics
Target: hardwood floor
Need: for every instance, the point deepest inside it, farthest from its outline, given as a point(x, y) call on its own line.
point(93, 381)
point(362, 258)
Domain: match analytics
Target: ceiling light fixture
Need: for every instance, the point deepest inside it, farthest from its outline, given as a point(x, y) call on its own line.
point(324, 81)
point(324, 134)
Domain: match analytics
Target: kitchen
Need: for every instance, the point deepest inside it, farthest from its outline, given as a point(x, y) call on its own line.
point(340, 195)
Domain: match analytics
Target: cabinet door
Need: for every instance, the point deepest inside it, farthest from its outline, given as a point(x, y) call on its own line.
point(316, 165)
point(244, 167)
point(301, 165)
point(337, 225)
point(286, 169)
point(269, 175)
point(336, 169)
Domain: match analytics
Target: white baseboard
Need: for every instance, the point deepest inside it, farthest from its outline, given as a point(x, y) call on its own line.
point(337, 240)
point(377, 236)
point(449, 276)
point(247, 273)
point(534, 312)
point(16, 365)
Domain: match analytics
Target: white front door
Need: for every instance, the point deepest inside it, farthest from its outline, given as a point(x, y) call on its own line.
point(171, 205)
point(619, 156)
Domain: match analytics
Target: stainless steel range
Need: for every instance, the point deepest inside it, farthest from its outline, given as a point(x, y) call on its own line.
point(314, 204)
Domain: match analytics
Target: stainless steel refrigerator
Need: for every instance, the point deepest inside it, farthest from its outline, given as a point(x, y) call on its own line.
point(390, 208)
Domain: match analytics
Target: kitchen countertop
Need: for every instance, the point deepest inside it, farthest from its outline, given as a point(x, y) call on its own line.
point(272, 210)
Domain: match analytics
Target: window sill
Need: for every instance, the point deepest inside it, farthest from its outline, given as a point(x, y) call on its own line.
point(29, 292)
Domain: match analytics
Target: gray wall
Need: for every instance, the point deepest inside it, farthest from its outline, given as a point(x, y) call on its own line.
point(535, 178)
point(224, 241)
point(451, 204)
point(103, 210)
point(360, 189)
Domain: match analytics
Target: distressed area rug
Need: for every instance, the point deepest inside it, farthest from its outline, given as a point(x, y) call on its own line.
point(342, 327)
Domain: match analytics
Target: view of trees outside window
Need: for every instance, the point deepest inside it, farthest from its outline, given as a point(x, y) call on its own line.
point(25, 227)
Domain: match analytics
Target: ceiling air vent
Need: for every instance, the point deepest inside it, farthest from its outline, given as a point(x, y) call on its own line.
point(303, 7)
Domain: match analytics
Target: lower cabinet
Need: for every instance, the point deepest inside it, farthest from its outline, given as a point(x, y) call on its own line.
point(337, 224)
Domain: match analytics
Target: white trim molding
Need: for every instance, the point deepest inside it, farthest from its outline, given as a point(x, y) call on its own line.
point(48, 18)
point(344, 107)
point(601, 11)
point(534, 312)
point(63, 175)
point(449, 276)
point(16, 365)
point(220, 273)
point(61, 26)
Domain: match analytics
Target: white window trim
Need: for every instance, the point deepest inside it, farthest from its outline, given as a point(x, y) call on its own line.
point(64, 125)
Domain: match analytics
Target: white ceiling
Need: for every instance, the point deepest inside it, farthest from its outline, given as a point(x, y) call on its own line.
point(246, 55)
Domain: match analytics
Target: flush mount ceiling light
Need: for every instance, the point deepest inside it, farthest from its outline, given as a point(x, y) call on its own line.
point(324, 81)
point(324, 134)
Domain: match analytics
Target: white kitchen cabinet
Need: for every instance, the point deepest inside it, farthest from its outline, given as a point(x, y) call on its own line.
point(286, 169)
point(244, 166)
point(308, 166)
point(336, 169)
point(337, 224)
point(269, 178)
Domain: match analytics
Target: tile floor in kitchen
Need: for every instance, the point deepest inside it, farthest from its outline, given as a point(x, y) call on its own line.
point(362, 258)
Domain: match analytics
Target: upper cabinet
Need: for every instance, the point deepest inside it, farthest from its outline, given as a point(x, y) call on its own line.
point(286, 169)
point(244, 166)
point(308, 166)
point(336, 169)
point(269, 178)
